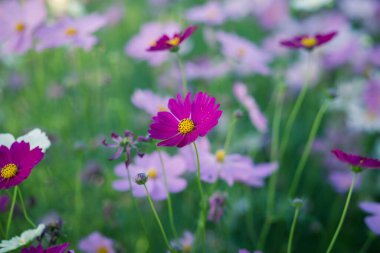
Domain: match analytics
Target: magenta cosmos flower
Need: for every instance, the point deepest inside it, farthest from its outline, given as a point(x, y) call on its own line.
point(96, 242)
point(373, 221)
point(309, 41)
point(356, 160)
point(172, 43)
point(186, 120)
point(17, 162)
point(62, 248)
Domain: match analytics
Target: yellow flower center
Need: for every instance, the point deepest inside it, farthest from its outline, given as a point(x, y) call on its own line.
point(174, 42)
point(152, 173)
point(361, 161)
point(241, 52)
point(9, 171)
point(102, 249)
point(309, 42)
point(20, 27)
point(220, 155)
point(186, 248)
point(71, 31)
point(185, 126)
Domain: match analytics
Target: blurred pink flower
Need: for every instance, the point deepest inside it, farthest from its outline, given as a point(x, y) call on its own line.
point(18, 23)
point(341, 180)
point(257, 118)
point(308, 42)
point(95, 243)
point(114, 14)
point(151, 165)
point(247, 251)
point(217, 202)
point(244, 56)
point(185, 243)
point(372, 221)
point(239, 9)
point(206, 69)
point(271, 13)
point(210, 13)
point(147, 35)
point(71, 32)
point(149, 102)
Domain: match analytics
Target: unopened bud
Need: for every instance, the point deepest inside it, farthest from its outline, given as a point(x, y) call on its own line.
point(141, 178)
point(297, 203)
point(238, 114)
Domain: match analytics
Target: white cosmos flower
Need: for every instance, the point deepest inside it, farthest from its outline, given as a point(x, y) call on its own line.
point(19, 241)
point(310, 5)
point(36, 138)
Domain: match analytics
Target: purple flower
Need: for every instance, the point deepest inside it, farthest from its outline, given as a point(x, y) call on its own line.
point(149, 102)
point(185, 243)
point(244, 56)
point(95, 243)
point(211, 13)
point(217, 202)
point(165, 42)
point(257, 118)
point(62, 248)
point(356, 160)
point(114, 14)
point(149, 32)
point(341, 180)
point(309, 41)
point(71, 32)
point(4, 201)
point(18, 23)
point(187, 120)
point(373, 221)
point(247, 251)
point(205, 69)
point(17, 162)
point(151, 166)
point(271, 13)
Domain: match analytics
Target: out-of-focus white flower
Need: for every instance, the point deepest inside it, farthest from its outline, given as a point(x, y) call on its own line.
point(19, 241)
point(63, 7)
point(36, 138)
point(310, 5)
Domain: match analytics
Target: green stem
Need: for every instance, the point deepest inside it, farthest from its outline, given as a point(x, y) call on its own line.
point(202, 218)
point(169, 198)
point(307, 149)
point(24, 209)
point(157, 218)
point(9, 221)
point(367, 243)
point(342, 218)
point(292, 229)
point(183, 75)
point(230, 134)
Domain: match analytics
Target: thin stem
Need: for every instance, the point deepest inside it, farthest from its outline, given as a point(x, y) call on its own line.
point(169, 198)
point(183, 75)
point(157, 218)
point(292, 229)
point(24, 209)
point(307, 149)
point(296, 109)
point(367, 243)
point(230, 134)
point(202, 218)
point(342, 218)
point(9, 221)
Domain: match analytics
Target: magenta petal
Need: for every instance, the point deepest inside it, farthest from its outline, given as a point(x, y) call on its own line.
point(181, 109)
point(324, 38)
point(5, 156)
point(356, 160)
point(19, 150)
point(188, 32)
point(172, 141)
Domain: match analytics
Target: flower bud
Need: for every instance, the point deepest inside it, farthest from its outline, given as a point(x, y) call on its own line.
point(238, 114)
point(141, 178)
point(297, 203)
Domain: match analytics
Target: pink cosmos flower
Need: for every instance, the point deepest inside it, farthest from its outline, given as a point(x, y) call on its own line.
point(205, 68)
point(96, 242)
point(257, 118)
point(373, 221)
point(271, 13)
point(147, 35)
point(18, 23)
point(247, 251)
point(172, 43)
point(211, 13)
point(244, 57)
point(356, 160)
point(309, 42)
point(17, 162)
point(187, 120)
point(151, 165)
point(39, 249)
point(185, 243)
point(71, 32)
point(149, 101)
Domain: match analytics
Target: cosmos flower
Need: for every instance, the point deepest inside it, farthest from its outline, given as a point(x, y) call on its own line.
point(62, 248)
point(185, 243)
point(187, 120)
point(147, 35)
point(150, 164)
point(149, 102)
point(244, 57)
point(205, 69)
point(309, 42)
point(217, 202)
point(36, 138)
point(17, 162)
point(96, 242)
point(356, 160)
point(247, 251)
point(373, 221)
point(211, 13)
point(271, 13)
point(172, 43)
point(71, 32)
point(18, 23)
point(22, 240)
point(257, 118)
